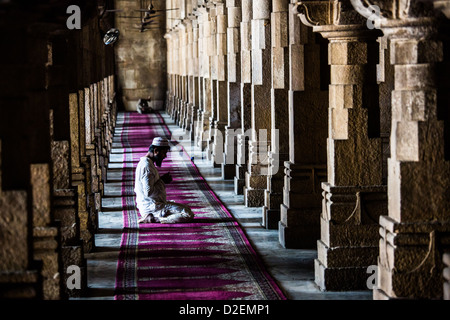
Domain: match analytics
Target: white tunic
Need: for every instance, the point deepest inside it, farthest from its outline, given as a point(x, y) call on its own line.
point(149, 188)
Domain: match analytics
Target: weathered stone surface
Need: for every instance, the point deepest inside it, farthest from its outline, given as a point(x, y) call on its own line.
point(40, 181)
point(340, 279)
point(141, 69)
point(13, 225)
point(253, 197)
point(261, 9)
point(346, 257)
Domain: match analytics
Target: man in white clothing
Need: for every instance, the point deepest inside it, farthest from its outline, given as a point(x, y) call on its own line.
point(150, 189)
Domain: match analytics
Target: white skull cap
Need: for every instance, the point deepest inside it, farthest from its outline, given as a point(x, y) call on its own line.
point(160, 142)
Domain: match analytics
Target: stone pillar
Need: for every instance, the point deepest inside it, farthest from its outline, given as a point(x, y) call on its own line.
point(183, 54)
point(211, 50)
point(69, 196)
point(299, 226)
point(198, 81)
point(191, 68)
point(20, 277)
point(220, 62)
point(245, 89)
point(279, 148)
point(170, 62)
point(258, 163)
point(176, 73)
point(46, 234)
point(65, 207)
point(205, 80)
point(385, 79)
point(194, 82)
point(233, 127)
point(353, 196)
point(87, 191)
point(412, 234)
point(179, 78)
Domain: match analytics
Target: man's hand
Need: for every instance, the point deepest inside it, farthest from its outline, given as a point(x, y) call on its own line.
point(166, 178)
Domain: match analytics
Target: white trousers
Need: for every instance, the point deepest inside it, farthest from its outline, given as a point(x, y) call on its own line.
point(172, 212)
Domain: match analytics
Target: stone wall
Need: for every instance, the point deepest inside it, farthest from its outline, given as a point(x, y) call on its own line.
point(140, 56)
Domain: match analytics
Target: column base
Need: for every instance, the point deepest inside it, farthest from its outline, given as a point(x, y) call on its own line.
point(298, 237)
point(23, 284)
point(270, 218)
point(253, 197)
point(300, 227)
point(208, 153)
point(46, 244)
point(202, 145)
point(349, 240)
point(191, 132)
point(412, 253)
point(340, 279)
point(239, 185)
point(228, 171)
point(239, 179)
point(255, 189)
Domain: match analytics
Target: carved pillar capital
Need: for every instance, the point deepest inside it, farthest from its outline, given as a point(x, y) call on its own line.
point(389, 15)
point(327, 12)
point(396, 9)
point(316, 13)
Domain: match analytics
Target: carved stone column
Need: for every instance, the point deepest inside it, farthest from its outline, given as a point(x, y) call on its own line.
point(170, 87)
point(279, 148)
point(205, 71)
point(191, 71)
point(194, 88)
point(258, 163)
point(176, 61)
point(182, 99)
point(414, 235)
point(87, 191)
point(233, 127)
point(353, 196)
point(46, 234)
point(65, 206)
point(20, 277)
point(211, 50)
point(199, 128)
point(308, 104)
point(246, 79)
point(220, 63)
point(179, 81)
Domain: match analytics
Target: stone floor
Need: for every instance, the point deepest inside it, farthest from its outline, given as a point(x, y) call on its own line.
point(293, 269)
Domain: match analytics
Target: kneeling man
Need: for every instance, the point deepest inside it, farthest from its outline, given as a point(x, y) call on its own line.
point(150, 189)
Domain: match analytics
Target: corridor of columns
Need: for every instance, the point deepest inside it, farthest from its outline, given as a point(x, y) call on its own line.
point(310, 138)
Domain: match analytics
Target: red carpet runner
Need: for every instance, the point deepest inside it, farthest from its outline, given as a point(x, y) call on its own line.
point(209, 259)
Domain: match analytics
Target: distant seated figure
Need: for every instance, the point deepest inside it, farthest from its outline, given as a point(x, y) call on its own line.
point(143, 106)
